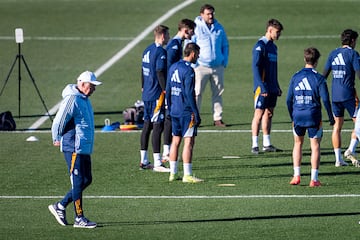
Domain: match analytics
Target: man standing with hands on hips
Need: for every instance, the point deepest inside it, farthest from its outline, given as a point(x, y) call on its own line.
point(212, 40)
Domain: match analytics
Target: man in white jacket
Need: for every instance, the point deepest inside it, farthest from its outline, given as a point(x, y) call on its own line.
point(214, 54)
point(73, 131)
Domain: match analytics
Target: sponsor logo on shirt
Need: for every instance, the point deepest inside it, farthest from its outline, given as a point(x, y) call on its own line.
point(339, 60)
point(303, 85)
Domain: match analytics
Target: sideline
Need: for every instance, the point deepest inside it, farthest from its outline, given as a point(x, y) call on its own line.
point(119, 55)
point(46, 38)
point(199, 130)
point(193, 197)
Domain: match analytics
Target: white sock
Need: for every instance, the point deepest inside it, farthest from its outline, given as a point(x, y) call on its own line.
point(353, 144)
point(296, 171)
point(337, 152)
point(314, 174)
point(144, 157)
point(266, 140)
point(254, 141)
point(173, 167)
point(166, 150)
point(157, 159)
point(187, 169)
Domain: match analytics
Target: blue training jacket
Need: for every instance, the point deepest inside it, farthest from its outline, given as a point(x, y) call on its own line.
point(74, 122)
point(213, 43)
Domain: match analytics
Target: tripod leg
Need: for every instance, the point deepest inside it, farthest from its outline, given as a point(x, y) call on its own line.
point(8, 76)
point(37, 89)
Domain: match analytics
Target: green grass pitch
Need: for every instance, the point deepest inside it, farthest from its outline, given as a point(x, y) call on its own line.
point(243, 196)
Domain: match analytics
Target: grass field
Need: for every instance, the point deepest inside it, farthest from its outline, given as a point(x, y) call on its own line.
point(64, 38)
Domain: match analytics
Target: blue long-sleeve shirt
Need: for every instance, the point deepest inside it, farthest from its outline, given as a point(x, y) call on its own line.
point(153, 61)
point(180, 93)
point(343, 62)
point(307, 87)
point(213, 43)
point(174, 51)
point(264, 66)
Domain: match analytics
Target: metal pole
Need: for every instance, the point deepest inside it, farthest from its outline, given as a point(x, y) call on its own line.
point(19, 74)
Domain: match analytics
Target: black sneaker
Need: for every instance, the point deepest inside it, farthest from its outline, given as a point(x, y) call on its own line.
point(255, 150)
point(60, 215)
point(83, 222)
point(146, 166)
point(271, 148)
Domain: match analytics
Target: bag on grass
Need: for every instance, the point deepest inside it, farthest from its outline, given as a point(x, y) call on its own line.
point(7, 122)
point(135, 114)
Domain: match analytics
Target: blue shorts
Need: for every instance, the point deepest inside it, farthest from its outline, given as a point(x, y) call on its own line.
point(183, 126)
point(154, 111)
point(313, 132)
point(261, 102)
point(339, 108)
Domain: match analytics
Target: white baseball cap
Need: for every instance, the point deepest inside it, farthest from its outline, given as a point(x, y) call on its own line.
point(89, 77)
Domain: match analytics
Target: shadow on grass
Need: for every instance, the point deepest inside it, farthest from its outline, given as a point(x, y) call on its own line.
point(235, 219)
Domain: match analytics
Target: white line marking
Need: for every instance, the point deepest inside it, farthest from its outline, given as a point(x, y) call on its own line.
point(192, 197)
point(201, 131)
point(49, 38)
point(120, 54)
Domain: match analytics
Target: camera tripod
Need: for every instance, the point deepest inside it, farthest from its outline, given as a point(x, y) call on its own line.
point(19, 57)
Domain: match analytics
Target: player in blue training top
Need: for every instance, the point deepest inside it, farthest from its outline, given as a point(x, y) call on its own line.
point(153, 76)
point(185, 117)
point(266, 85)
point(343, 62)
point(303, 101)
point(174, 51)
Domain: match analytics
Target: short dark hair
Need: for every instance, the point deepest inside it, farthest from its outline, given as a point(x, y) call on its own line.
point(311, 55)
point(274, 23)
point(347, 36)
point(191, 47)
point(207, 6)
point(186, 23)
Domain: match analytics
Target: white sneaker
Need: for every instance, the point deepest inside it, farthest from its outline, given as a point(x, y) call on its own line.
point(191, 179)
point(161, 168)
point(351, 156)
point(341, 163)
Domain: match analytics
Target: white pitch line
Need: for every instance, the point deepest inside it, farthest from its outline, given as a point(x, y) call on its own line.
point(193, 197)
point(120, 54)
point(201, 131)
point(49, 38)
